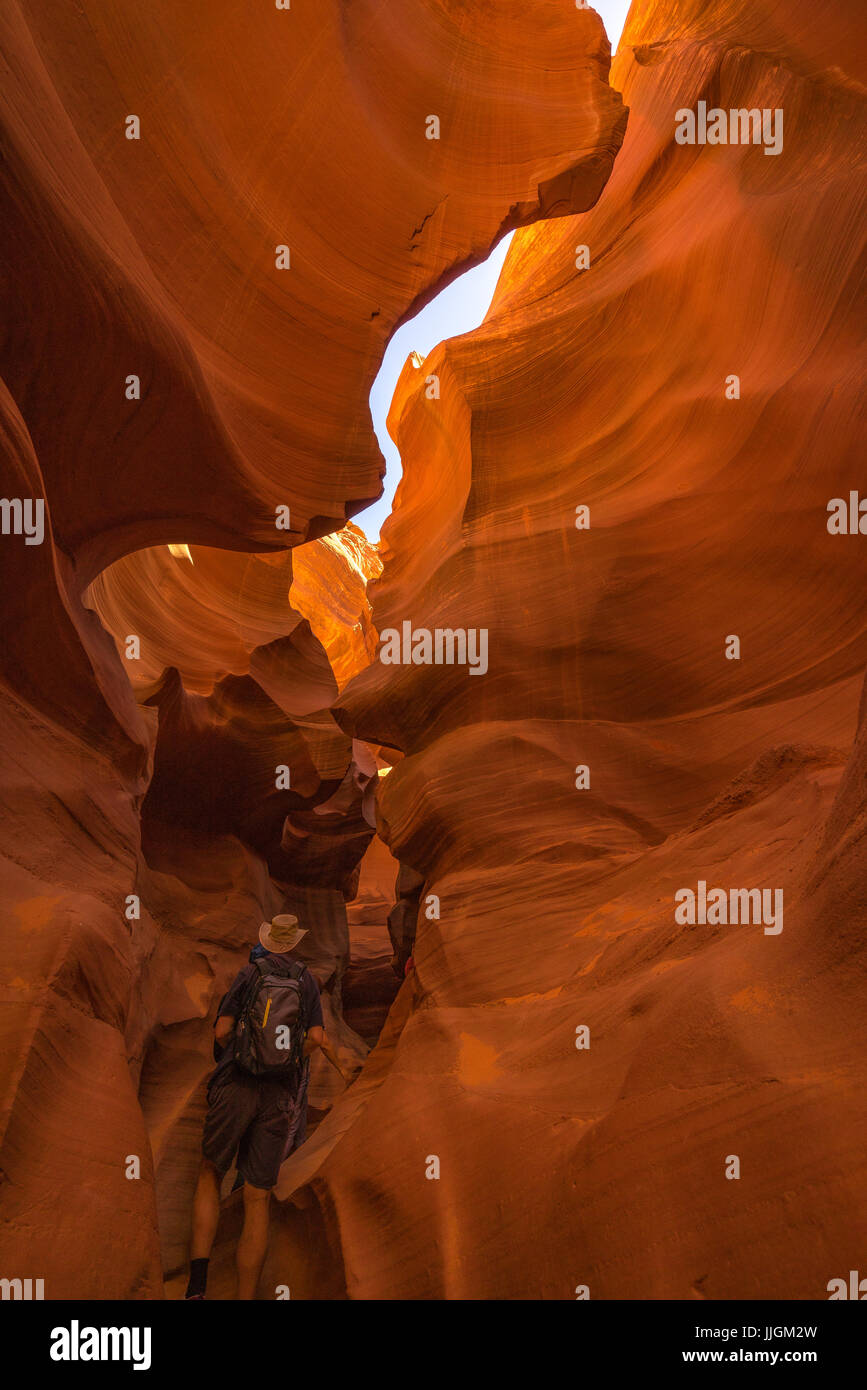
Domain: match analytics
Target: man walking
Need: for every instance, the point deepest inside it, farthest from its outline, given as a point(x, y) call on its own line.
point(268, 1024)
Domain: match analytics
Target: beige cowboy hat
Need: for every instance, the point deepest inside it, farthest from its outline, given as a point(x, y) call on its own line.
point(281, 933)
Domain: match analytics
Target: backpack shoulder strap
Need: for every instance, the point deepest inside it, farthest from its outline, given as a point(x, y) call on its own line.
point(293, 970)
point(256, 976)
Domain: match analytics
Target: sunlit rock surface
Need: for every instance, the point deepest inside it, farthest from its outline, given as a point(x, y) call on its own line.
point(204, 610)
point(336, 571)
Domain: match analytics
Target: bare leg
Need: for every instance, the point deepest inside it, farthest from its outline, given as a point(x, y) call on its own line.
point(254, 1239)
point(206, 1211)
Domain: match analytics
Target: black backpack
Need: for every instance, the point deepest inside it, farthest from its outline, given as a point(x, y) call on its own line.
point(269, 1035)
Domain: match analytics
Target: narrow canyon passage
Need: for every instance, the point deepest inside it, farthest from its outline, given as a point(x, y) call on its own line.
point(257, 803)
point(603, 671)
point(257, 796)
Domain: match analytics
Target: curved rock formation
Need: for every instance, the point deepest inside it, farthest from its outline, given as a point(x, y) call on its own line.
point(606, 388)
point(74, 762)
point(208, 241)
point(204, 611)
point(329, 587)
point(305, 130)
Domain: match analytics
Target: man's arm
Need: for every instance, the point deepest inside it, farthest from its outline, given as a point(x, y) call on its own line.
point(316, 1038)
point(224, 1028)
point(228, 1009)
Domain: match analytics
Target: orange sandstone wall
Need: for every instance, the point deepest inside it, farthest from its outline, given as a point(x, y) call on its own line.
point(157, 256)
point(192, 321)
point(544, 907)
point(605, 1166)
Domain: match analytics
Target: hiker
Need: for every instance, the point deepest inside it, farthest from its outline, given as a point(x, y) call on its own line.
point(268, 1024)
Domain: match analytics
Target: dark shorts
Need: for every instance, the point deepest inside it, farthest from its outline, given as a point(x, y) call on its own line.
point(250, 1116)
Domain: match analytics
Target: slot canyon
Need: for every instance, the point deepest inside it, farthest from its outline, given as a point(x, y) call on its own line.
point(582, 486)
